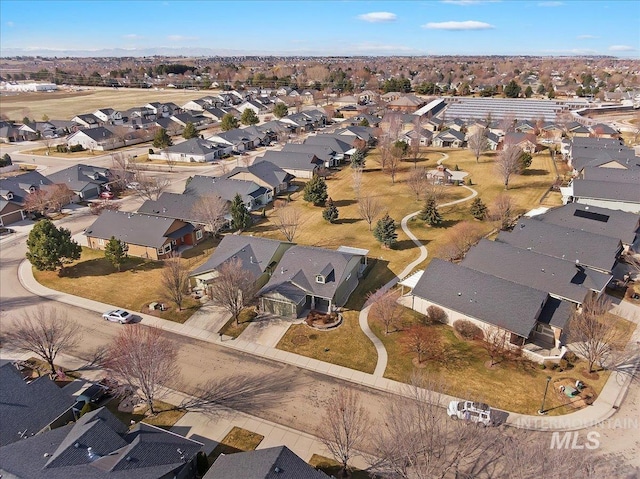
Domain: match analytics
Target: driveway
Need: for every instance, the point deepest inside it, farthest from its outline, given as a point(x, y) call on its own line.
point(209, 317)
point(266, 329)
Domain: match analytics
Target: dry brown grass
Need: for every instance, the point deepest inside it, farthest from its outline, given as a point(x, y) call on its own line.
point(64, 105)
point(237, 440)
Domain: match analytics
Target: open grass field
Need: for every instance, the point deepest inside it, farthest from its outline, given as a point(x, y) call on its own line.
point(64, 105)
point(137, 285)
point(514, 386)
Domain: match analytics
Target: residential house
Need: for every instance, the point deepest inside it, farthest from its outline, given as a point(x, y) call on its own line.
point(576, 130)
point(365, 134)
point(37, 130)
point(527, 142)
point(253, 195)
point(270, 463)
point(30, 406)
point(493, 141)
point(431, 109)
point(239, 139)
point(347, 100)
point(483, 299)
point(255, 105)
point(86, 181)
point(372, 120)
point(258, 256)
point(299, 165)
point(367, 96)
point(421, 136)
point(98, 138)
point(309, 278)
point(585, 249)
point(407, 103)
point(192, 150)
point(342, 145)
point(263, 173)
point(329, 157)
point(13, 193)
point(391, 96)
point(623, 194)
point(109, 116)
point(172, 127)
point(99, 446)
point(145, 236)
point(87, 120)
point(196, 105)
point(178, 207)
point(449, 139)
point(602, 130)
point(593, 219)
point(8, 132)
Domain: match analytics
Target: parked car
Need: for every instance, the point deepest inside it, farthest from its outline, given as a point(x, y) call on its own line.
point(118, 316)
point(134, 185)
point(477, 412)
point(92, 395)
point(106, 195)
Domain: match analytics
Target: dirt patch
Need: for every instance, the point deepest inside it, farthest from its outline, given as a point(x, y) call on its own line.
point(586, 374)
point(299, 340)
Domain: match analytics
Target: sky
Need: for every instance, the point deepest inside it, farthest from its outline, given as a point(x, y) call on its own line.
point(341, 28)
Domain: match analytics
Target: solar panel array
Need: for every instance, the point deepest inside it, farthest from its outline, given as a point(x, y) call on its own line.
point(499, 108)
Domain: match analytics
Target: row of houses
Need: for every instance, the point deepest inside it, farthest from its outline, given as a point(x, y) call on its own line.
point(42, 438)
point(531, 280)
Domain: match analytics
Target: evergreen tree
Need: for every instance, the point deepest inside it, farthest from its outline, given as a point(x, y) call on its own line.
point(528, 92)
point(189, 131)
point(330, 213)
point(161, 139)
point(229, 122)
point(50, 248)
point(512, 90)
point(280, 110)
point(525, 161)
point(478, 209)
point(357, 159)
point(430, 213)
point(6, 160)
point(241, 218)
point(385, 231)
point(249, 117)
point(115, 251)
point(364, 122)
point(315, 191)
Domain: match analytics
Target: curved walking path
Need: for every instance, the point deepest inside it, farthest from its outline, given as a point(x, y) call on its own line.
point(363, 318)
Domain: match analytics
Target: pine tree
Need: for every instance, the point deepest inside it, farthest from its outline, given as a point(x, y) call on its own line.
point(162, 139)
point(280, 110)
point(315, 191)
point(385, 231)
point(229, 122)
point(357, 159)
point(115, 251)
point(249, 117)
point(330, 213)
point(430, 213)
point(189, 131)
point(241, 218)
point(478, 209)
point(50, 248)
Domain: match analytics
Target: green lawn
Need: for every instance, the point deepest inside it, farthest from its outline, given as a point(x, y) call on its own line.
point(133, 288)
point(237, 440)
point(515, 386)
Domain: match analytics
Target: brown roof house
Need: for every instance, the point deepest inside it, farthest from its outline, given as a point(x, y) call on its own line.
point(146, 236)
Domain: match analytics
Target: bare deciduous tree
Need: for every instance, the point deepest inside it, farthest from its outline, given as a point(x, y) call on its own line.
point(59, 195)
point(459, 239)
point(385, 308)
point(590, 335)
point(414, 147)
point(287, 220)
point(500, 211)
point(44, 332)
point(149, 187)
point(345, 427)
point(508, 163)
point(369, 208)
point(233, 288)
point(37, 202)
point(175, 279)
point(418, 339)
point(497, 344)
point(118, 170)
point(144, 359)
point(211, 209)
point(478, 143)
point(356, 180)
point(418, 182)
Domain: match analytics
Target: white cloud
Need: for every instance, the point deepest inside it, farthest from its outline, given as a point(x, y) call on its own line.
point(466, 25)
point(621, 48)
point(180, 38)
point(378, 17)
point(550, 4)
point(586, 37)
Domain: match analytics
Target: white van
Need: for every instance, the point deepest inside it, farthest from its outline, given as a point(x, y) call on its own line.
point(477, 412)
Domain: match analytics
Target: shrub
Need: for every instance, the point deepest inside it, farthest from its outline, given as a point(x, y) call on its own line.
point(543, 366)
point(436, 315)
point(75, 148)
point(151, 151)
point(467, 330)
point(62, 149)
point(571, 357)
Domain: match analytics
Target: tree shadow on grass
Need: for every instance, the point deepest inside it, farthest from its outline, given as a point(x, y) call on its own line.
point(408, 244)
point(102, 267)
point(347, 221)
point(534, 172)
point(341, 203)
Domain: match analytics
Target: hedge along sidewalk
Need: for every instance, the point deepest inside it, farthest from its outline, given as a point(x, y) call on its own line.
point(602, 409)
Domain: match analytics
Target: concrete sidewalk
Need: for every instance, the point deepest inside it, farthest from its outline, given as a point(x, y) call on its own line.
point(602, 409)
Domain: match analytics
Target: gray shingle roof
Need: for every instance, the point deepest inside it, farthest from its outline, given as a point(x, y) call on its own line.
point(266, 171)
point(225, 188)
point(602, 221)
point(606, 190)
point(146, 452)
point(591, 250)
point(339, 145)
point(132, 228)
point(172, 205)
point(19, 185)
point(28, 407)
point(324, 153)
point(490, 299)
point(196, 146)
point(300, 265)
point(271, 463)
point(293, 161)
point(557, 277)
point(80, 176)
point(631, 177)
point(556, 313)
point(97, 134)
point(255, 254)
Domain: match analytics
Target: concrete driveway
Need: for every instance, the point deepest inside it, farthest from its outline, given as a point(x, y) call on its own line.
point(266, 329)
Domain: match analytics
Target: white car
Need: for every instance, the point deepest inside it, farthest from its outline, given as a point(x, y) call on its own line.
point(118, 316)
point(477, 412)
point(134, 185)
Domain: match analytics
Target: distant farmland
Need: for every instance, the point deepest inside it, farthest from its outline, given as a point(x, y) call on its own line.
point(64, 105)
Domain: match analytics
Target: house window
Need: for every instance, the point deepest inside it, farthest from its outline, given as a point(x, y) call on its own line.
point(198, 235)
point(319, 278)
point(101, 242)
point(165, 249)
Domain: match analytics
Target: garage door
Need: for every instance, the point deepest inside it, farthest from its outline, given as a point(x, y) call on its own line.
point(279, 308)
